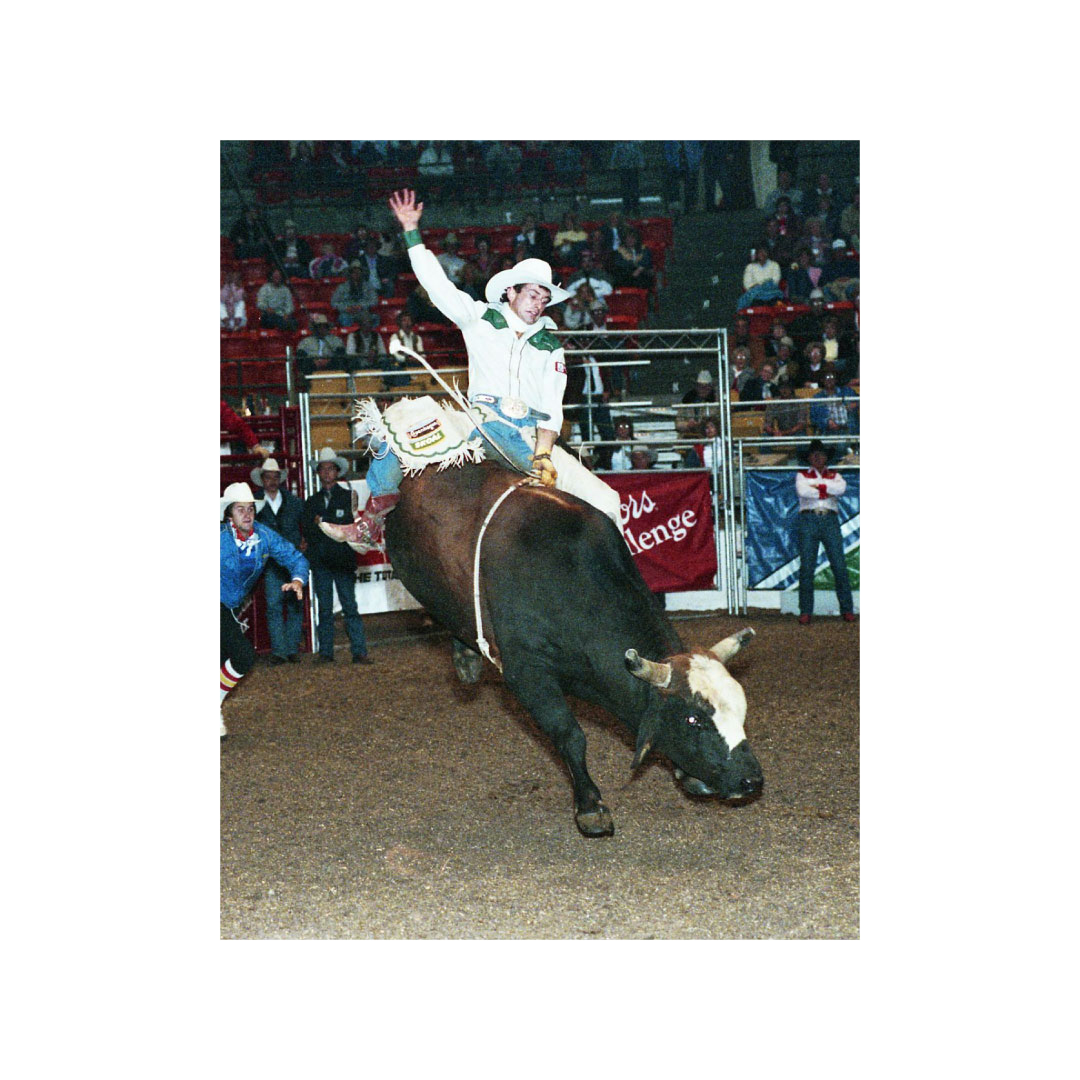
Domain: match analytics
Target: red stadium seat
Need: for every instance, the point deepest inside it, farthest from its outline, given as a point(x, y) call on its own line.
point(622, 322)
point(264, 373)
point(304, 290)
point(626, 301)
point(239, 345)
point(657, 230)
point(659, 255)
point(326, 287)
point(312, 308)
point(273, 343)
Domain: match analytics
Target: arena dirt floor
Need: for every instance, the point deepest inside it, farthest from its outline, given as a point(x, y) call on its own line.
point(390, 801)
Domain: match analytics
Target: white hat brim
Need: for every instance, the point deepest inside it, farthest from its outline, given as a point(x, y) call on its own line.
point(506, 279)
point(256, 475)
point(259, 504)
point(340, 462)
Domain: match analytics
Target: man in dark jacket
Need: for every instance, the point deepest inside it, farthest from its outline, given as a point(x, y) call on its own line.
point(293, 251)
point(537, 239)
point(760, 387)
point(332, 564)
point(282, 511)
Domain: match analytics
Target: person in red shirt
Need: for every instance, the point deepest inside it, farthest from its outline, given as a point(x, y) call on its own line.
point(819, 523)
point(236, 427)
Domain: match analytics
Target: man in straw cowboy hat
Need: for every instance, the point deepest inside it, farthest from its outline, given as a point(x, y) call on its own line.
point(331, 564)
point(246, 548)
point(517, 376)
point(281, 510)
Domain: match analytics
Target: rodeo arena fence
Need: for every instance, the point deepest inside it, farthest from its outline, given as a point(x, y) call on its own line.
point(716, 537)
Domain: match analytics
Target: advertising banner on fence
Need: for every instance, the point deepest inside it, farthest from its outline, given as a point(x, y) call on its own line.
point(668, 523)
point(772, 550)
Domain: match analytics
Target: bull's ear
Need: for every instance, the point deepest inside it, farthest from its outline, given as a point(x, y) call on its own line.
point(648, 670)
point(726, 649)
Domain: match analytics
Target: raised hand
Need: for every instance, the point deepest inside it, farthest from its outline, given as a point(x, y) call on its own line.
point(406, 209)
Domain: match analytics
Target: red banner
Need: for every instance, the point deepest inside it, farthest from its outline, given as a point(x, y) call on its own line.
point(668, 524)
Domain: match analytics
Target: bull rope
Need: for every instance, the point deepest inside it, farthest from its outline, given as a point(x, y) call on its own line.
point(481, 641)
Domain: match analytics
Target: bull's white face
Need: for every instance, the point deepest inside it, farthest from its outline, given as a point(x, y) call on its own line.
point(710, 680)
point(700, 726)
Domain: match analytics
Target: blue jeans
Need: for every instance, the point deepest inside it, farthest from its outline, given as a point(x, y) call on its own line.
point(814, 529)
point(384, 474)
point(345, 580)
point(284, 615)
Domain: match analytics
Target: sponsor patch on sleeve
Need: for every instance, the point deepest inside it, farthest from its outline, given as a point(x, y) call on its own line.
point(560, 367)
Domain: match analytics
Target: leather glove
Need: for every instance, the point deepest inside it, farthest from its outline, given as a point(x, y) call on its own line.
point(543, 470)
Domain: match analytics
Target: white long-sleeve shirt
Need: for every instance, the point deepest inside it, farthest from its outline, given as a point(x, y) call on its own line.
point(507, 357)
point(757, 274)
point(808, 483)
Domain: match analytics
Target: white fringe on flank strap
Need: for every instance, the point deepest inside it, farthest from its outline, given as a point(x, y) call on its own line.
point(421, 432)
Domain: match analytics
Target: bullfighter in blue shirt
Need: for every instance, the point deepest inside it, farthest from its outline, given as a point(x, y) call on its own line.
point(246, 547)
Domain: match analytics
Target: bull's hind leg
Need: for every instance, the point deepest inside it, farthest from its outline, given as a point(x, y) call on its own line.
point(544, 700)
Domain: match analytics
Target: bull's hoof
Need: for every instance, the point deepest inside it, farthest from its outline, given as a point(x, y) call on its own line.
point(468, 663)
point(596, 822)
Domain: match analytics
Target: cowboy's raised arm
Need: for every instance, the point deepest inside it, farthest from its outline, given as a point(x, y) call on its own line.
point(451, 301)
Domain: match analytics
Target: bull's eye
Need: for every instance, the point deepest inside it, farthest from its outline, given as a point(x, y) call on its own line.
point(693, 720)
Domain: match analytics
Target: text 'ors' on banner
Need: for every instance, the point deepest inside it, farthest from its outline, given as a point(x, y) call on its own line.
point(668, 524)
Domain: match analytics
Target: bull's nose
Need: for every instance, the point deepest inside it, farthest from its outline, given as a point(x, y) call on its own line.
point(751, 785)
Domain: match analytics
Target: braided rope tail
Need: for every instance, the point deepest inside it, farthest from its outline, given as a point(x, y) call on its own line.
point(481, 641)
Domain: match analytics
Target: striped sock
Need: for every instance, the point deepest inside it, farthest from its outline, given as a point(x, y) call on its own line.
point(229, 678)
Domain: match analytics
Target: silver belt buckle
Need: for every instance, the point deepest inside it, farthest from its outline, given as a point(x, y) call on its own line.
point(514, 408)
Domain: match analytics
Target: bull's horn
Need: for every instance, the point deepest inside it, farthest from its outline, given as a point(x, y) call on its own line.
point(645, 736)
point(651, 672)
point(639, 757)
point(726, 649)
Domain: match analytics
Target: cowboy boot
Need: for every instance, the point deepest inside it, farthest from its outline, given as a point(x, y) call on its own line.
point(365, 533)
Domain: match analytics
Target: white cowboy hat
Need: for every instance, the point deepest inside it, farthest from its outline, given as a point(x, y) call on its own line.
point(269, 465)
point(526, 272)
point(235, 493)
point(327, 454)
point(705, 377)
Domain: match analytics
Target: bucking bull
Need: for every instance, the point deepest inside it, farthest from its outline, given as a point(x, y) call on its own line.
point(564, 610)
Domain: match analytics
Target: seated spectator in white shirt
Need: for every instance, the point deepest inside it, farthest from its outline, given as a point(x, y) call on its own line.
point(275, 304)
point(584, 310)
point(354, 296)
point(598, 279)
point(450, 260)
point(761, 269)
point(406, 333)
point(233, 312)
point(620, 459)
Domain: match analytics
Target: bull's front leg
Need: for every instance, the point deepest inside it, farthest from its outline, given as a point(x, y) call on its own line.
point(543, 697)
point(468, 663)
